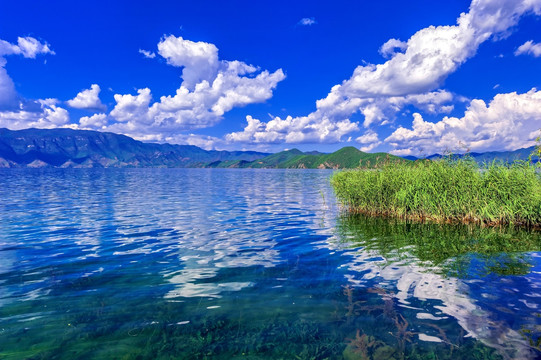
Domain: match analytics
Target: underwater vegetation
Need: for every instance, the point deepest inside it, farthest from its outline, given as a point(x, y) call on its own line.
point(345, 321)
point(366, 323)
point(440, 253)
point(445, 191)
point(393, 337)
point(144, 277)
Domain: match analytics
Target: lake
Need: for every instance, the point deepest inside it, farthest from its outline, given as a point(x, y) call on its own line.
point(248, 264)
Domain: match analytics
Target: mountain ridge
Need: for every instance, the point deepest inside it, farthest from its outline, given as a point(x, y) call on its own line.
point(65, 148)
point(486, 157)
point(86, 148)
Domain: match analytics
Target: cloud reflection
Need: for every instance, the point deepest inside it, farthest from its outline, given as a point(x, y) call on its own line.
point(396, 256)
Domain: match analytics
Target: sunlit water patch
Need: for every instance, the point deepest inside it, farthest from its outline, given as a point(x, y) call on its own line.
point(252, 264)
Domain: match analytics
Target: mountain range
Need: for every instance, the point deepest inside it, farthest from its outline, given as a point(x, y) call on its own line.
point(490, 156)
point(84, 148)
point(68, 148)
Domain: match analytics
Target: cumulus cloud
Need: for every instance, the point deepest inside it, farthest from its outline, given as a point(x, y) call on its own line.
point(132, 107)
point(27, 47)
point(94, 122)
point(390, 48)
point(46, 115)
point(293, 130)
point(429, 56)
point(509, 122)
point(147, 54)
point(199, 60)
point(379, 109)
point(369, 140)
point(19, 113)
point(529, 48)
point(210, 88)
point(334, 126)
point(88, 99)
point(307, 21)
point(412, 76)
point(432, 53)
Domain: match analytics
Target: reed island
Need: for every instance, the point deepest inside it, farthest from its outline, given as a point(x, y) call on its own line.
point(446, 190)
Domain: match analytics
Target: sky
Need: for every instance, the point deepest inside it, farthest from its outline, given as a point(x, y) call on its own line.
point(410, 78)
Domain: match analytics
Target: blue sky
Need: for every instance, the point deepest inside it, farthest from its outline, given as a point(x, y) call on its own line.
point(411, 78)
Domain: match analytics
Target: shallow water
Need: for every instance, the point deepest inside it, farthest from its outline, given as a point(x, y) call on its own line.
point(251, 264)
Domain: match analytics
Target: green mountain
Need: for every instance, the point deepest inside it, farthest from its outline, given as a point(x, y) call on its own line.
point(83, 148)
point(345, 158)
point(275, 160)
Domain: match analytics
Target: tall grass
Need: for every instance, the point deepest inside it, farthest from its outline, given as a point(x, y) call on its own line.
point(445, 190)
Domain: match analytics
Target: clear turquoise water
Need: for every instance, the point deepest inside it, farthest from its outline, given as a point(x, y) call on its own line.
point(248, 264)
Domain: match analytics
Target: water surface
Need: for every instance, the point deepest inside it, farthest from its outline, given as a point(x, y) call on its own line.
point(248, 264)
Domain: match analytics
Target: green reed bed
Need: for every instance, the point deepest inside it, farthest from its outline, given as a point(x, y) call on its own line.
point(445, 191)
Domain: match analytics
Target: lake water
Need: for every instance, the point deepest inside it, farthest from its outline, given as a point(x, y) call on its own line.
point(248, 264)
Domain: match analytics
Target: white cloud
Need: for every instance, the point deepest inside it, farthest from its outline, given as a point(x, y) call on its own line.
point(530, 48)
point(369, 147)
point(510, 121)
point(147, 54)
point(370, 140)
point(28, 47)
point(45, 116)
point(198, 59)
point(20, 113)
point(204, 142)
point(333, 126)
point(306, 129)
point(132, 107)
point(307, 21)
point(410, 77)
point(8, 95)
point(379, 109)
point(388, 49)
point(88, 99)
point(210, 88)
point(413, 75)
point(435, 102)
point(430, 56)
point(432, 53)
point(94, 122)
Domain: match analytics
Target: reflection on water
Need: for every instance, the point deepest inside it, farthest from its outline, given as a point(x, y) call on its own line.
point(258, 264)
point(486, 279)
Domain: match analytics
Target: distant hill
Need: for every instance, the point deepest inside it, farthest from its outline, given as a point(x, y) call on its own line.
point(507, 156)
point(83, 148)
point(275, 160)
point(345, 158)
point(487, 157)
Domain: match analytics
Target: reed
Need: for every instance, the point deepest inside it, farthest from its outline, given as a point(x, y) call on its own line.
point(447, 190)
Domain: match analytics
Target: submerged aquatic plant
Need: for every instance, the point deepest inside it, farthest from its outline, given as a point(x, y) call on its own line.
point(352, 307)
point(402, 334)
point(532, 333)
point(360, 346)
point(388, 304)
